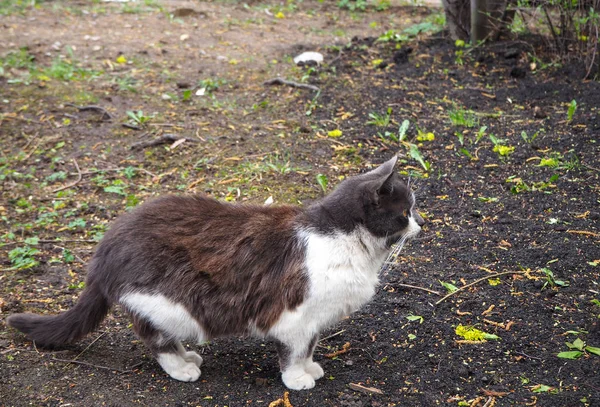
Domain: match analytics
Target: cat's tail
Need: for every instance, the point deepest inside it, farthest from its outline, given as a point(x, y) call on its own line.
point(54, 331)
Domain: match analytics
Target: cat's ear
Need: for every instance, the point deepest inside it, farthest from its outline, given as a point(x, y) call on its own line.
point(383, 184)
point(387, 168)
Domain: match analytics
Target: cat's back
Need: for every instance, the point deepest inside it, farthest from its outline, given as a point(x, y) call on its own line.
point(191, 214)
point(197, 229)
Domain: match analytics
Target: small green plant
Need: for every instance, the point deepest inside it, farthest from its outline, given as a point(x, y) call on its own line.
point(322, 181)
point(403, 129)
point(461, 117)
point(381, 120)
point(210, 85)
point(571, 111)
point(399, 137)
point(520, 186)
point(116, 187)
point(353, 5)
point(551, 281)
point(67, 256)
point(449, 286)
point(416, 154)
point(460, 52)
point(480, 134)
point(138, 118)
point(531, 139)
point(578, 349)
point(502, 150)
point(22, 258)
point(413, 318)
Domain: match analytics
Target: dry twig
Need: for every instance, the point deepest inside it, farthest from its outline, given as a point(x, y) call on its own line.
point(476, 282)
point(164, 139)
point(364, 389)
point(281, 81)
point(92, 107)
point(418, 288)
point(78, 362)
point(79, 177)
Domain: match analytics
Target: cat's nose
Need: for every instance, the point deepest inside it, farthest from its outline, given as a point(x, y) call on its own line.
point(418, 218)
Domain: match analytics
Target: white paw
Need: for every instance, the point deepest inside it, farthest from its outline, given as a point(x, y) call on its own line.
point(193, 357)
point(294, 382)
point(314, 369)
point(178, 368)
point(186, 373)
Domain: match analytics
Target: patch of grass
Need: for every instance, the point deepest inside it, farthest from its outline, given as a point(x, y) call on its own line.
point(8, 7)
point(520, 186)
point(461, 117)
point(380, 120)
point(66, 70)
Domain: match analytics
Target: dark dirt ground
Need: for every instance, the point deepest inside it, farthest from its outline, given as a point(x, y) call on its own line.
point(486, 213)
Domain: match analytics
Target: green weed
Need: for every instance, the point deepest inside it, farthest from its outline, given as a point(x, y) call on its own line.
point(551, 281)
point(138, 118)
point(381, 120)
point(571, 111)
point(461, 117)
point(322, 181)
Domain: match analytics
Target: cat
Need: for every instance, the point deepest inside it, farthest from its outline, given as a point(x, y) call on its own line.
point(193, 268)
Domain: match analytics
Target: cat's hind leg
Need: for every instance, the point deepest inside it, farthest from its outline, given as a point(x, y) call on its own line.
point(298, 371)
point(169, 353)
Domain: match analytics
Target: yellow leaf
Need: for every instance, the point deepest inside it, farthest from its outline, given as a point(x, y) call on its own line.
point(377, 61)
point(335, 133)
point(279, 15)
point(121, 59)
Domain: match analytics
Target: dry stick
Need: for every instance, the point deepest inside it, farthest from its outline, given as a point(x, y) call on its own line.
point(91, 107)
point(164, 139)
point(552, 29)
point(79, 177)
point(593, 56)
point(78, 362)
point(477, 281)
point(280, 81)
point(418, 288)
point(333, 335)
point(86, 348)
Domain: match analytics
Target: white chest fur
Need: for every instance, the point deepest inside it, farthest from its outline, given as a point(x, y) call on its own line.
point(343, 275)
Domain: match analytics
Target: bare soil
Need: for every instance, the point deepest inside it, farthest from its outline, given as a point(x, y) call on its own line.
point(66, 173)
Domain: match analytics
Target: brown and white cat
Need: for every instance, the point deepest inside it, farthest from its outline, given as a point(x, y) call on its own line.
point(192, 268)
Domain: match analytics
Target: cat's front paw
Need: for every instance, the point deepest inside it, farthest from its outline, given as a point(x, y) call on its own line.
point(297, 380)
point(314, 369)
point(188, 372)
point(193, 357)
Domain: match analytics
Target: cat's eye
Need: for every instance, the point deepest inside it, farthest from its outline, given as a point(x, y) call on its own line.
point(405, 213)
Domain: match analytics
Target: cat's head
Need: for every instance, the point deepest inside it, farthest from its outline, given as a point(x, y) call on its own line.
point(377, 200)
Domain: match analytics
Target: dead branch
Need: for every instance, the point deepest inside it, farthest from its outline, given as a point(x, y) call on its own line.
point(417, 288)
point(79, 177)
point(93, 108)
point(364, 389)
point(281, 81)
point(164, 139)
point(86, 348)
point(476, 282)
point(78, 362)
